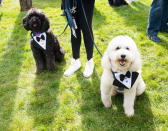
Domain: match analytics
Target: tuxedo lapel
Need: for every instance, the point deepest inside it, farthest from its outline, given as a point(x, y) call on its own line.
point(126, 82)
point(134, 77)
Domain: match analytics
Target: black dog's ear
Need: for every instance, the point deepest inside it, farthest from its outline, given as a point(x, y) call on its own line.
point(25, 23)
point(45, 24)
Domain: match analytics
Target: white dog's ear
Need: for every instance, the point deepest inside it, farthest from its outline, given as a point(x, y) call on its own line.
point(106, 61)
point(136, 64)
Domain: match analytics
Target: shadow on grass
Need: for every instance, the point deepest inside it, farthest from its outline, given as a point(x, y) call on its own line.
point(44, 103)
point(1, 11)
point(98, 19)
point(0, 16)
point(47, 3)
point(10, 67)
point(96, 117)
point(133, 15)
point(164, 40)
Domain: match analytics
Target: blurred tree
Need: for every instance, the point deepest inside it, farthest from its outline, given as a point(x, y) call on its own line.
point(25, 4)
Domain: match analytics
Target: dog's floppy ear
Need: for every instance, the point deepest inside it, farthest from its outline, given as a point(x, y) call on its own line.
point(136, 64)
point(106, 60)
point(25, 23)
point(45, 24)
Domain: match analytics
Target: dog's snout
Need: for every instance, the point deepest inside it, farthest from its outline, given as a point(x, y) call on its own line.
point(123, 56)
point(34, 20)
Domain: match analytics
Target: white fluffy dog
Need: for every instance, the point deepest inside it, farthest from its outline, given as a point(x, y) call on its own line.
point(122, 68)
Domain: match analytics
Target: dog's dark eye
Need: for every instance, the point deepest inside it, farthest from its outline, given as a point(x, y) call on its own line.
point(117, 48)
point(127, 48)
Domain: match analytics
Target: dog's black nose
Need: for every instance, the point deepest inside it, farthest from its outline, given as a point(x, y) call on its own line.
point(123, 56)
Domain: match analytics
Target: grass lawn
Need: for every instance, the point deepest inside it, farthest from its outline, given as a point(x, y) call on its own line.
point(50, 101)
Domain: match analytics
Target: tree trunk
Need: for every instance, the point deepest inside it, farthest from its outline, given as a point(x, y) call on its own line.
point(25, 4)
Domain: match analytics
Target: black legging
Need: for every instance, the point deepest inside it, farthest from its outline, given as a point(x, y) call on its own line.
point(62, 4)
point(82, 26)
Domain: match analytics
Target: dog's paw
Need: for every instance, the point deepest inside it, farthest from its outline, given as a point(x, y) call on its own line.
point(110, 2)
point(129, 112)
point(52, 70)
point(38, 71)
point(107, 104)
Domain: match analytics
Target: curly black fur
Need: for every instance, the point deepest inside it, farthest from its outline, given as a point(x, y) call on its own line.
point(117, 2)
point(36, 21)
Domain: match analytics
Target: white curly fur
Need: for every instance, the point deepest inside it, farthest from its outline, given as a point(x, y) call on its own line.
point(121, 45)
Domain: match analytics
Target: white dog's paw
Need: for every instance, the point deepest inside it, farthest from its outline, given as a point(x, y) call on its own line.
point(129, 112)
point(106, 99)
point(107, 104)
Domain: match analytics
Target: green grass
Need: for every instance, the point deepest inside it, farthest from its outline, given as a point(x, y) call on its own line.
point(50, 101)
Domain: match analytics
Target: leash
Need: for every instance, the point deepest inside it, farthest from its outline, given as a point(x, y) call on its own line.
point(90, 29)
point(71, 22)
point(66, 7)
point(63, 31)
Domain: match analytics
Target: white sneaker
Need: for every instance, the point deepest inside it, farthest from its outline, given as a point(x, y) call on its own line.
point(88, 68)
point(75, 65)
point(129, 1)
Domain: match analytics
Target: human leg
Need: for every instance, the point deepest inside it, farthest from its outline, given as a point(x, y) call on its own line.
point(75, 63)
point(86, 16)
point(75, 42)
point(154, 20)
point(164, 25)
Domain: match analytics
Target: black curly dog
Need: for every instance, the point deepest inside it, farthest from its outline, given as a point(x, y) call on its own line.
point(117, 2)
point(50, 50)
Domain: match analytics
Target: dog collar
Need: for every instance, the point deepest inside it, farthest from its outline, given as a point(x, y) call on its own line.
point(39, 38)
point(124, 80)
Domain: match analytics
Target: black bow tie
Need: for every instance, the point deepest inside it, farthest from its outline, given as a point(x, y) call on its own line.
point(128, 75)
point(38, 38)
